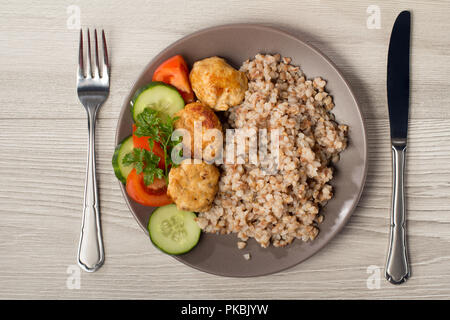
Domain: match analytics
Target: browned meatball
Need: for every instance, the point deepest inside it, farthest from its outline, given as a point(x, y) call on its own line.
point(217, 84)
point(193, 186)
point(196, 111)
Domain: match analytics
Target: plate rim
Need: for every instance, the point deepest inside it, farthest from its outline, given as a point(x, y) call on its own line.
point(283, 33)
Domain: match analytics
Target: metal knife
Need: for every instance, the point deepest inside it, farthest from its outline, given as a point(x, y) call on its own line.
point(397, 266)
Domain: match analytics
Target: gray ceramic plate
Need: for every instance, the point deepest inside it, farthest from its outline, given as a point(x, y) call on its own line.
point(219, 254)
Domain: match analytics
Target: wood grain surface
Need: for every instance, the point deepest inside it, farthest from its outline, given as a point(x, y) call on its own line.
point(43, 143)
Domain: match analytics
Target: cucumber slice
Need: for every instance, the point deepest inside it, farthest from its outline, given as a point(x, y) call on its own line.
point(121, 150)
point(173, 231)
point(158, 96)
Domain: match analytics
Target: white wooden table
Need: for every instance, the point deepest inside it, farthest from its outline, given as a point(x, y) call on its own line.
point(43, 145)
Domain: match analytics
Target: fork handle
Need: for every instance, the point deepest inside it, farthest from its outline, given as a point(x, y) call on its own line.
point(90, 250)
point(397, 266)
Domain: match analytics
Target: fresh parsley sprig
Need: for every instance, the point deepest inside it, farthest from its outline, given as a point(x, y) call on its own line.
point(146, 162)
point(150, 123)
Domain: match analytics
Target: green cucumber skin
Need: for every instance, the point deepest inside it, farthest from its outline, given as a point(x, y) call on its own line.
point(145, 88)
point(115, 158)
point(194, 243)
point(172, 253)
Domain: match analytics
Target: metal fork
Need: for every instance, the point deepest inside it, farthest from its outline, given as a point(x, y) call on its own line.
point(93, 90)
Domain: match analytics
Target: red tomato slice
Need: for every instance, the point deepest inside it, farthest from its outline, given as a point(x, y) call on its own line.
point(142, 143)
point(188, 97)
point(154, 195)
point(174, 71)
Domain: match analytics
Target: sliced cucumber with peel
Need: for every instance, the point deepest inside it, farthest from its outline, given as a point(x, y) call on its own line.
point(122, 149)
point(157, 96)
point(172, 230)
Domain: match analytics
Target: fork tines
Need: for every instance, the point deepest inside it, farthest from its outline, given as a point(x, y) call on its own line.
point(88, 69)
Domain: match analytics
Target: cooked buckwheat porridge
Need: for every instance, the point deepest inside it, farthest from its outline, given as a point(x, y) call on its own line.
point(280, 206)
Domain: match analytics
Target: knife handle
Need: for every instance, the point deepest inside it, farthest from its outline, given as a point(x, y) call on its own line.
point(397, 266)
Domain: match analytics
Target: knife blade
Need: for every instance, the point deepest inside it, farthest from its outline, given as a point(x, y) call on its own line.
point(398, 76)
point(397, 266)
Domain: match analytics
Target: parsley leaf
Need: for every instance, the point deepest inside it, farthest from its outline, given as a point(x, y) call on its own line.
point(144, 161)
point(149, 123)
